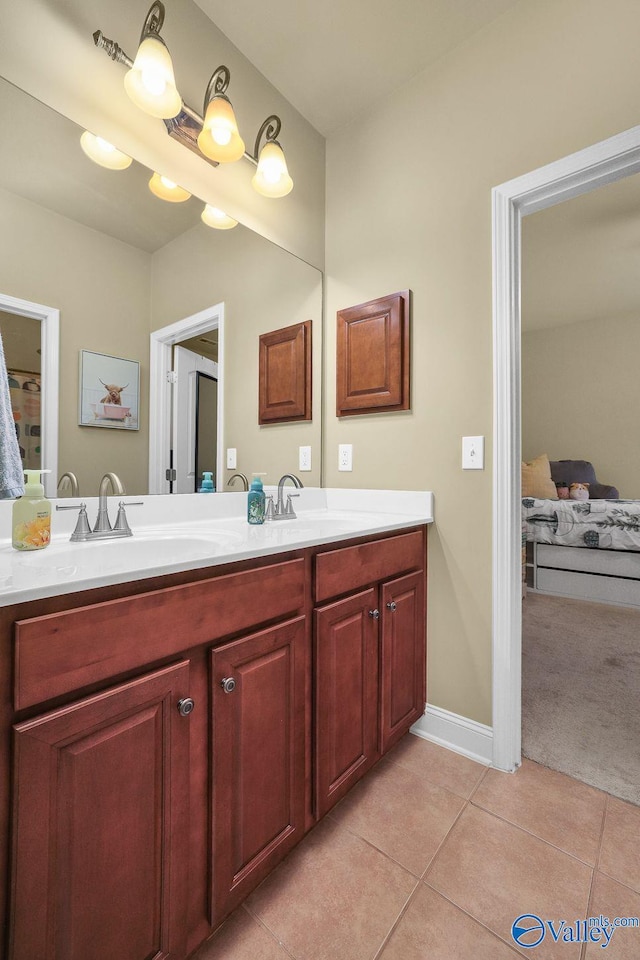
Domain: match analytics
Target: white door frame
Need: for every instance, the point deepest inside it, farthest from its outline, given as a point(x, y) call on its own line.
point(160, 392)
point(569, 177)
point(49, 318)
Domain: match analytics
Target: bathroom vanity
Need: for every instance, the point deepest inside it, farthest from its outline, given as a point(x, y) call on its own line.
point(167, 740)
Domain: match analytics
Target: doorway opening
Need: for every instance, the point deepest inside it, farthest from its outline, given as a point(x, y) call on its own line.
point(578, 173)
point(163, 425)
point(49, 319)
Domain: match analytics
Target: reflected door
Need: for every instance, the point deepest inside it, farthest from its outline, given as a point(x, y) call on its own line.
point(195, 419)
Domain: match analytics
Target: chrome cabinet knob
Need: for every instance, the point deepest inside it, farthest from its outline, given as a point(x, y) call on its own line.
point(375, 614)
point(185, 706)
point(228, 684)
point(392, 605)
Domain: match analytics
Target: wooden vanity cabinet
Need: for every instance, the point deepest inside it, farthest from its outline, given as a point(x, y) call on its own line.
point(369, 659)
point(134, 827)
point(257, 758)
point(120, 759)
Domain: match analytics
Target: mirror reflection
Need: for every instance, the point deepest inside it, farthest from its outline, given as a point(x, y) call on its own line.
point(119, 264)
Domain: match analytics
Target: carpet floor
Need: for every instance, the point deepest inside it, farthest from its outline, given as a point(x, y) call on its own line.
point(581, 691)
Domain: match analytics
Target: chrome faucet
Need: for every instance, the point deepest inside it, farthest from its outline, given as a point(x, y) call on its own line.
point(73, 483)
point(238, 476)
point(103, 529)
point(287, 512)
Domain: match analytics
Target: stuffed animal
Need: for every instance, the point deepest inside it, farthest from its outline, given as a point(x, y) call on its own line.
point(579, 491)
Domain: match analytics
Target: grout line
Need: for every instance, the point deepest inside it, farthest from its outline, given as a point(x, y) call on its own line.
point(602, 828)
point(480, 923)
point(536, 836)
point(268, 930)
point(480, 781)
point(443, 841)
point(396, 922)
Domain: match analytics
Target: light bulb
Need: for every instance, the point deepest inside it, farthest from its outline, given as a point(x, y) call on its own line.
point(219, 138)
point(150, 83)
point(217, 218)
point(166, 189)
point(104, 153)
point(272, 179)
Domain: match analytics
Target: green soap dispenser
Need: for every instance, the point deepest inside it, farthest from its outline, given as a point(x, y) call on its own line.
point(256, 500)
point(31, 521)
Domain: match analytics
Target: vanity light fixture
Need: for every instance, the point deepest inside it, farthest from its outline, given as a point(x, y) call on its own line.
point(216, 218)
point(104, 153)
point(271, 179)
point(150, 83)
point(219, 138)
point(166, 189)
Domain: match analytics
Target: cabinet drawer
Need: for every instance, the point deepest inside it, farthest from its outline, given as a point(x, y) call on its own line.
point(349, 568)
point(61, 652)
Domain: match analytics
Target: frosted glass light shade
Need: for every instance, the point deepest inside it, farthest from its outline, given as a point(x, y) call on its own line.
point(167, 190)
point(150, 82)
point(219, 138)
point(272, 179)
point(216, 218)
point(103, 152)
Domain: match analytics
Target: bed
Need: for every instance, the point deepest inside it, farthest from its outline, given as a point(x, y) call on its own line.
point(583, 549)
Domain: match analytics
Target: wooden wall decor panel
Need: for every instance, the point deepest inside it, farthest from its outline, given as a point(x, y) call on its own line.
point(373, 356)
point(285, 374)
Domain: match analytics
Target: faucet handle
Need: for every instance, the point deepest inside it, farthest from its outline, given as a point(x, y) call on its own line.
point(270, 509)
point(122, 524)
point(82, 529)
point(288, 510)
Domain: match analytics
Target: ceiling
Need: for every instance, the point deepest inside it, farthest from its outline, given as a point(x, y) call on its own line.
point(335, 59)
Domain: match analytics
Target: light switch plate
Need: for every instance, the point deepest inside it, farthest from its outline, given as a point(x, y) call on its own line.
point(232, 458)
point(473, 453)
point(304, 459)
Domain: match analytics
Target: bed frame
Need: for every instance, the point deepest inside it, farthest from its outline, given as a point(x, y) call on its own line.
point(606, 576)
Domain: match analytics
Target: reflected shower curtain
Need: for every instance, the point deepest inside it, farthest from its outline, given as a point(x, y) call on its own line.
point(11, 475)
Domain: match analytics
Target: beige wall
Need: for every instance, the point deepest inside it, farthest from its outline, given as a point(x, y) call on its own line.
point(263, 288)
point(48, 50)
point(21, 341)
point(580, 398)
point(409, 205)
point(102, 289)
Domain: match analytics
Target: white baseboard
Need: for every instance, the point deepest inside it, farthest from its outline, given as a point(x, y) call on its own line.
point(471, 739)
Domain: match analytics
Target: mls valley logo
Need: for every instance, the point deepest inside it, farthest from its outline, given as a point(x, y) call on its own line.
point(529, 930)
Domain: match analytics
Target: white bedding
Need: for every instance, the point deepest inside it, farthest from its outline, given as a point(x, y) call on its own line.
point(599, 524)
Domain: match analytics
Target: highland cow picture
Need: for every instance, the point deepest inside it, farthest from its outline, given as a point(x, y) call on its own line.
point(109, 391)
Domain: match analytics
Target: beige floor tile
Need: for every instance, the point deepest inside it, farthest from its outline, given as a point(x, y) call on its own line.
point(401, 813)
point(620, 854)
point(438, 765)
point(433, 928)
point(334, 896)
point(611, 899)
point(241, 937)
point(497, 872)
point(551, 805)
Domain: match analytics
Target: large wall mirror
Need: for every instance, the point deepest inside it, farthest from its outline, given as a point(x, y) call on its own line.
point(119, 264)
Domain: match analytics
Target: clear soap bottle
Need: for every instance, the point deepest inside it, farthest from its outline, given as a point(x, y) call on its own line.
point(256, 500)
point(31, 517)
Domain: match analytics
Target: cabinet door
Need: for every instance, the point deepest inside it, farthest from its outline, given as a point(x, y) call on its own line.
point(100, 826)
point(403, 677)
point(258, 758)
point(346, 695)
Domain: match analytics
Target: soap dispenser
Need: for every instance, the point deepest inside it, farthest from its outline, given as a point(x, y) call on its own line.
point(31, 520)
point(207, 483)
point(256, 500)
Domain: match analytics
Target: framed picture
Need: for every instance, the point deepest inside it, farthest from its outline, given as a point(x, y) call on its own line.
point(109, 392)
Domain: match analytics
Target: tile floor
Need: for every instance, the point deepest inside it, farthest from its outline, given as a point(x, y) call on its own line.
point(433, 856)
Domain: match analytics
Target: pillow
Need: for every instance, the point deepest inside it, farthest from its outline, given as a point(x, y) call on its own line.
point(536, 479)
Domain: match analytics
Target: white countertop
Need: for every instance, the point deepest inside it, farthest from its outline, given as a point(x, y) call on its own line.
point(191, 531)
